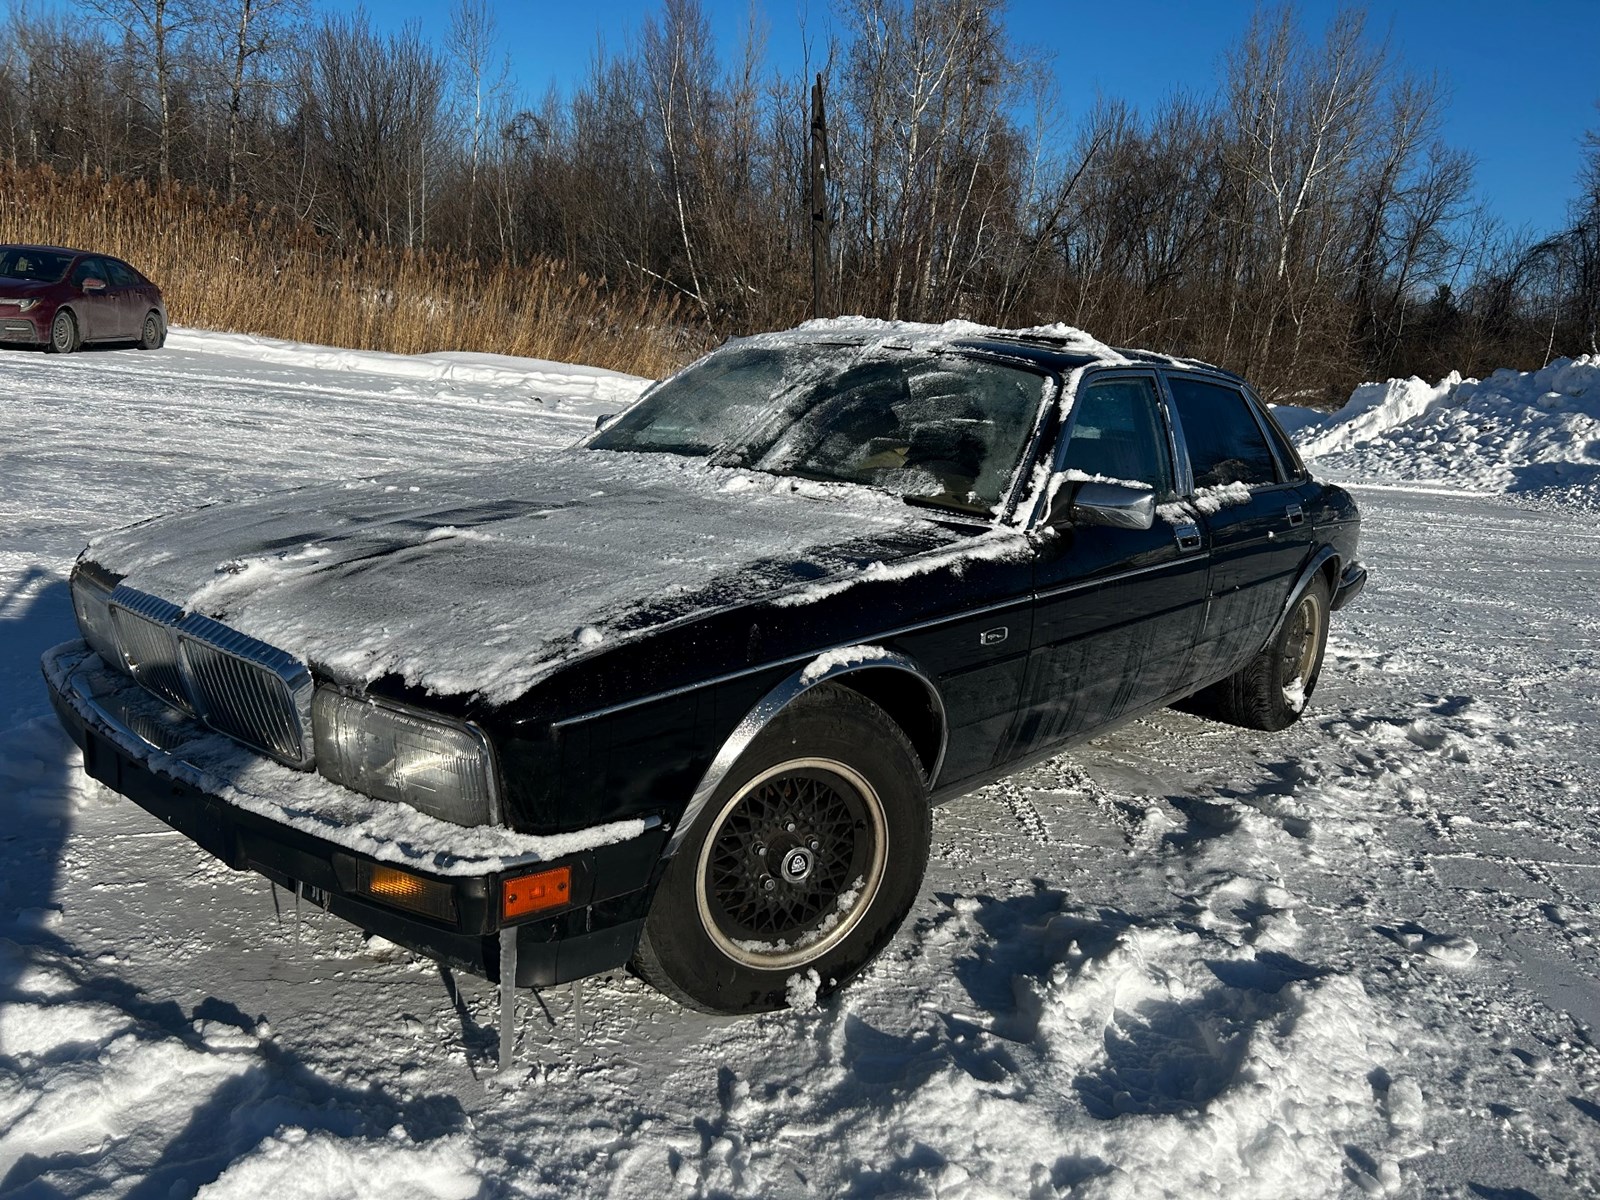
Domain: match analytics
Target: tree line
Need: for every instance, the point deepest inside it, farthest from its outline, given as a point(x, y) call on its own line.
point(1303, 222)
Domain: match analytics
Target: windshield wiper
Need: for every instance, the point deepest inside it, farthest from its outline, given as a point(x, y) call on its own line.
point(950, 506)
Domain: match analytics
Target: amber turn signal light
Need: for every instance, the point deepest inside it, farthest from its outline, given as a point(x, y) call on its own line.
point(405, 890)
point(534, 893)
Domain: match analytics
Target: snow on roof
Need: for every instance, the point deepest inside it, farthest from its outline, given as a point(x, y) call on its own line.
point(919, 335)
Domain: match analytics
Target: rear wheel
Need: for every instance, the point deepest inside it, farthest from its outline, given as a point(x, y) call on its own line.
point(63, 333)
point(1272, 689)
point(154, 333)
point(807, 858)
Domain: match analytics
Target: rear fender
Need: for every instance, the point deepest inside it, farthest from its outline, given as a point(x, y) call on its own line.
point(1324, 562)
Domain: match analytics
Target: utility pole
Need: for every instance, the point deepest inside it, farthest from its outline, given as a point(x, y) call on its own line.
point(822, 297)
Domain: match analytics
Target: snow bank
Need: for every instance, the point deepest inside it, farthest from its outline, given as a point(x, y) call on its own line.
point(442, 366)
point(1516, 431)
point(321, 1166)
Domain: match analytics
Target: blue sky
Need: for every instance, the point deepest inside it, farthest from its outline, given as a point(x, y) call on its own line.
point(1523, 76)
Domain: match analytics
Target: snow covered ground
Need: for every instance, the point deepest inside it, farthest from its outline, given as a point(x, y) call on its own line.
point(1357, 957)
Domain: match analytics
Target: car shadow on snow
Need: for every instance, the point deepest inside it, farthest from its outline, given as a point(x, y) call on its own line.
point(37, 765)
point(273, 1089)
point(90, 1019)
point(264, 1087)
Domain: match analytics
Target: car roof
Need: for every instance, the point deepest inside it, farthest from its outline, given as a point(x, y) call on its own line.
point(1047, 351)
point(51, 249)
point(1059, 348)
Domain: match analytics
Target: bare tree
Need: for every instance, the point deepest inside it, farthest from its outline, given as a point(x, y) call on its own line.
point(155, 29)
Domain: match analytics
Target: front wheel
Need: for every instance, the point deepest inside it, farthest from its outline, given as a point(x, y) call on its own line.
point(1271, 690)
point(806, 859)
point(63, 334)
point(154, 333)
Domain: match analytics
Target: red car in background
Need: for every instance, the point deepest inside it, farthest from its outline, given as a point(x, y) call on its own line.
point(65, 298)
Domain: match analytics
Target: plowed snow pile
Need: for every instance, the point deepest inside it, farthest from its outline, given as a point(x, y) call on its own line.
point(1516, 431)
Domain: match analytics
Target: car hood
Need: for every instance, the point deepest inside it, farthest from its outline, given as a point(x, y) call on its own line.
point(22, 289)
point(484, 582)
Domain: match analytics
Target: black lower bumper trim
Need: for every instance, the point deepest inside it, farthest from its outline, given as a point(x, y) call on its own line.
point(1350, 585)
point(613, 882)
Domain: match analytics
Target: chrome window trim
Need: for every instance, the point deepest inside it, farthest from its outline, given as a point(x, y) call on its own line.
point(779, 698)
point(1087, 377)
point(1251, 405)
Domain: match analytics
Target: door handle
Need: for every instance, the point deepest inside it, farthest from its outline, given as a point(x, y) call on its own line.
point(1188, 537)
point(1296, 515)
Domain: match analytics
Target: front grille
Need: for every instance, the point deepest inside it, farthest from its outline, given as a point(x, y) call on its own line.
point(245, 688)
point(236, 684)
point(145, 627)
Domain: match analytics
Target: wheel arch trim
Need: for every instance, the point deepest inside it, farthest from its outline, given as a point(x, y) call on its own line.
point(1317, 564)
point(834, 666)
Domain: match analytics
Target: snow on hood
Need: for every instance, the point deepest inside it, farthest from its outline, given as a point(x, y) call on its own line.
point(484, 582)
point(1516, 431)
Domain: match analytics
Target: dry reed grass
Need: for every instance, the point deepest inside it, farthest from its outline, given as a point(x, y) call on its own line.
point(231, 268)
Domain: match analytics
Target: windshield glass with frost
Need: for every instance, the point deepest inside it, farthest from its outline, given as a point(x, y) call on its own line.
point(939, 429)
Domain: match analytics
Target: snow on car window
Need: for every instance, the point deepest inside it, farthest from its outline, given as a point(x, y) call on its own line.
point(947, 430)
point(709, 404)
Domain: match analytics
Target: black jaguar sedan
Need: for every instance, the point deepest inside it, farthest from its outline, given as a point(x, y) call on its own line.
point(682, 696)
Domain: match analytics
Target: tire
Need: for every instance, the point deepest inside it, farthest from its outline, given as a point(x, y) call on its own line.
point(1272, 689)
point(153, 334)
point(808, 857)
point(63, 333)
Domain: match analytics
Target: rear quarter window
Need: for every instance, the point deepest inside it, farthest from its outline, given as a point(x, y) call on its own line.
point(1225, 442)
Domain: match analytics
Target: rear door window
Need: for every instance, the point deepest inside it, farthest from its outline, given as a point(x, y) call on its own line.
point(1225, 443)
point(121, 276)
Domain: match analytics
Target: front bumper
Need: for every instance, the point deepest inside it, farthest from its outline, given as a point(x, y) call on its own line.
point(1351, 581)
point(17, 328)
point(596, 931)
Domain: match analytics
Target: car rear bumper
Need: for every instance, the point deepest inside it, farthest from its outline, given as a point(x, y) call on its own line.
point(598, 930)
point(1351, 581)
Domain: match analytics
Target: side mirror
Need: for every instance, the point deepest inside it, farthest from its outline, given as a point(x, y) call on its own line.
point(1109, 504)
point(94, 285)
point(600, 421)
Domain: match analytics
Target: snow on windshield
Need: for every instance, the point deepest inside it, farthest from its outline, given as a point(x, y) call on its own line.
point(945, 428)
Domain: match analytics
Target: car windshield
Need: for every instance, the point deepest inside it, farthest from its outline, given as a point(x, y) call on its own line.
point(944, 430)
point(40, 266)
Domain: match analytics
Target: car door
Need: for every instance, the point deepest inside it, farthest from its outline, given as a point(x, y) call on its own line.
point(1116, 611)
point(1250, 507)
point(94, 304)
point(128, 292)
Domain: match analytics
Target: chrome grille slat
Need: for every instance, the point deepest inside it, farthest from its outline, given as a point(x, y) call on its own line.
point(248, 689)
point(236, 684)
point(144, 625)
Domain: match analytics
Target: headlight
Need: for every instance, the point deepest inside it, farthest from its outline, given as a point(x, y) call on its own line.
point(391, 752)
point(25, 305)
point(91, 596)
